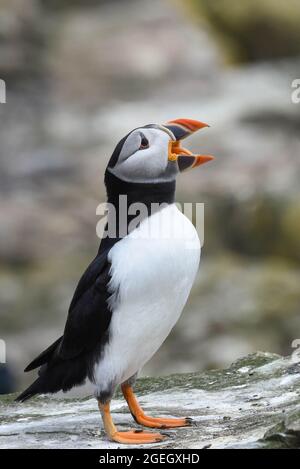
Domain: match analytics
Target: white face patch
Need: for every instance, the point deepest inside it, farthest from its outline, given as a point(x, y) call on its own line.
point(145, 165)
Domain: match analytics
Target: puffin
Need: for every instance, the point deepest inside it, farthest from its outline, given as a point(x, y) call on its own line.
point(133, 292)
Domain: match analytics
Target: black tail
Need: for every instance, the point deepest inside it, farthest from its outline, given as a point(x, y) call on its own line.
point(56, 374)
point(30, 392)
point(44, 357)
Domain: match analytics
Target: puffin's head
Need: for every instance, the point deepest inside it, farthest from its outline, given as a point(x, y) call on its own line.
point(153, 153)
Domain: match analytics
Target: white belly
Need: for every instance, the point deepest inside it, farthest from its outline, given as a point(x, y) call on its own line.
point(153, 278)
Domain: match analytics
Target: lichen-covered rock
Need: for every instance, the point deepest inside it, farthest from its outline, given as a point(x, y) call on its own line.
point(286, 434)
point(253, 404)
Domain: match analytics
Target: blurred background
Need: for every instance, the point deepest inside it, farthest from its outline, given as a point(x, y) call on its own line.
point(80, 75)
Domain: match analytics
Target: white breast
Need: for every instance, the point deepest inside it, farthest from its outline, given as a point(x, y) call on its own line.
point(153, 270)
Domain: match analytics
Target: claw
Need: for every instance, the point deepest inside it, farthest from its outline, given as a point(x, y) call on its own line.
point(190, 421)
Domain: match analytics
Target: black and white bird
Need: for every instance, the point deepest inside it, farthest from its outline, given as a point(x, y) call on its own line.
point(133, 292)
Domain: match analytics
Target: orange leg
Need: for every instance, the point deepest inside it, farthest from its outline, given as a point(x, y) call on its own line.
point(131, 437)
point(140, 417)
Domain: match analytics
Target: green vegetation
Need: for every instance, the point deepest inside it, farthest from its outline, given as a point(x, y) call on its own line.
point(251, 30)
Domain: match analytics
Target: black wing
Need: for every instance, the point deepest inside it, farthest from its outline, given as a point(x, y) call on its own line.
point(89, 314)
point(69, 360)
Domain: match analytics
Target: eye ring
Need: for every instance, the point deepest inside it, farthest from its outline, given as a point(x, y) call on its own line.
point(144, 142)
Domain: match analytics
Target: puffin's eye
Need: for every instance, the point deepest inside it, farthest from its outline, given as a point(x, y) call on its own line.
point(144, 143)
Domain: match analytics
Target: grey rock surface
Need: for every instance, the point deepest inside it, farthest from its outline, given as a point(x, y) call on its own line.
point(255, 403)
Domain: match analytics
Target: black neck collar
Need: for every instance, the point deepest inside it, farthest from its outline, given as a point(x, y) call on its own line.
point(163, 192)
point(147, 193)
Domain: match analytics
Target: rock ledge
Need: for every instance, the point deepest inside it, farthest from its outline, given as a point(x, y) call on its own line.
point(255, 403)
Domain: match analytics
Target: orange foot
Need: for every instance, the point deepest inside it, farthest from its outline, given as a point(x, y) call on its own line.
point(140, 417)
point(136, 437)
point(153, 422)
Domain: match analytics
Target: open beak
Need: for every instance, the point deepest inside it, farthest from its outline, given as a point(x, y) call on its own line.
point(182, 128)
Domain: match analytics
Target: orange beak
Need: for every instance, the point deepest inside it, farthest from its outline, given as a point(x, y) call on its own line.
point(182, 128)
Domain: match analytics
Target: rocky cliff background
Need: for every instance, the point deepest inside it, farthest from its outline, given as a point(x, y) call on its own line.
point(81, 74)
